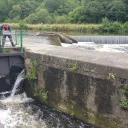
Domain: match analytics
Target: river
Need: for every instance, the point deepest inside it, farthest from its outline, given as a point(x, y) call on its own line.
point(95, 43)
point(101, 43)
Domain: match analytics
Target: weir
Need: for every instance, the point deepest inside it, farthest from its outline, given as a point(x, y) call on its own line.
point(102, 39)
point(61, 36)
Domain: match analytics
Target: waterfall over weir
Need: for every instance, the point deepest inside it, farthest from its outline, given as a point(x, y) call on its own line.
point(17, 82)
point(19, 111)
point(102, 39)
point(101, 43)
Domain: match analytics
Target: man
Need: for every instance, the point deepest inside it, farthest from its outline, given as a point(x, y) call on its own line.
point(6, 33)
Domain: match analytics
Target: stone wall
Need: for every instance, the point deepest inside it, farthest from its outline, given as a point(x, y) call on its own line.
point(84, 84)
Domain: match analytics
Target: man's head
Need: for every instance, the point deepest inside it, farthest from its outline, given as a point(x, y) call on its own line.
point(5, 24)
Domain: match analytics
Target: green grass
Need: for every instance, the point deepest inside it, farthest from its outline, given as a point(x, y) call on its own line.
point(58, 27)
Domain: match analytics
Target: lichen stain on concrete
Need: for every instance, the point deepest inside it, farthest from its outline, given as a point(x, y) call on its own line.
point(78, 86)
point(53, 78)
point(104, 91)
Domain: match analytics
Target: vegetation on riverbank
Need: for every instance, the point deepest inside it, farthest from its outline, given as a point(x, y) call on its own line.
point(106, 27)
point(86, 16)
point(63, 11)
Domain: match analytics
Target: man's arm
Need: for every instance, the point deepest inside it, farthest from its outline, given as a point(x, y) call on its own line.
point(9, 28)
point(1, 27)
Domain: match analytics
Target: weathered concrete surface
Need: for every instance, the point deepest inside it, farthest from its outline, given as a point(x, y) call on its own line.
point(10, 49)
point(99, 63)
point(62, 36)
point(83, 83)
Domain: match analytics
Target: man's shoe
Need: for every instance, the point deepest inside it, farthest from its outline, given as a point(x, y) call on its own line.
point(13, 45)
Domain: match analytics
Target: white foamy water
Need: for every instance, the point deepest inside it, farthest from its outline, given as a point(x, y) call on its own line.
point(13, 114)
point(123, 48)
point(19, 79)
point(20, 112)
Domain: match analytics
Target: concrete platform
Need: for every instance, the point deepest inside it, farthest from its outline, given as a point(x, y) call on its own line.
point(100, 63)
point(87, 83)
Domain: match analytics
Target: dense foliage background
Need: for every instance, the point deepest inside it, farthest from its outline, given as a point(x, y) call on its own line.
point(63, 11)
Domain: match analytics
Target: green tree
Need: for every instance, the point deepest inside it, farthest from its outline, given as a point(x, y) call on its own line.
point(32, 18)
point(16, 11)
point(52, 5)
point(76, 11)
point(126, 7)
point(116, 11)
point(67, 7)
point(62, 19)
point(3, 10)
point(77, 16)
point(28, 7)
point(106, 25)
point(93, 12)
point(41, 16)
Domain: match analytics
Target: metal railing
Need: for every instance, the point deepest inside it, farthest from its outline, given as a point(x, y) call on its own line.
point(17, 36)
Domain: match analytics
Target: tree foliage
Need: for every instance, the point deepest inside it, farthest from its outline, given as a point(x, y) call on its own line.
point(63, 11)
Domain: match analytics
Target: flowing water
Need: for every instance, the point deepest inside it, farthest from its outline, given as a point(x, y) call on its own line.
point(19, 111)
point(20, 77)
point(102, 39)
point(101, 43)
point(123, 48)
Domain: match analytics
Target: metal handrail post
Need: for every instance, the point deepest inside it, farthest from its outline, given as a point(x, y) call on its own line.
point(21, 40)
point(2, 41)
point(2, 45)
point(16, 37)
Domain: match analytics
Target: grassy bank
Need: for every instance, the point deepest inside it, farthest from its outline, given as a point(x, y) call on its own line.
point(105, 28)
point(57, 27)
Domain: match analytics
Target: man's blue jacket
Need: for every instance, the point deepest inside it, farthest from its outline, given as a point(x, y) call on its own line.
point(5, 27)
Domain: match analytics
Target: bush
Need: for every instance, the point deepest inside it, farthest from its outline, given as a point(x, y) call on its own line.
point(111, 27)
point(22, 25)
point(61, 20)
point(125, 27)
point(116, 28)
point(105, 27)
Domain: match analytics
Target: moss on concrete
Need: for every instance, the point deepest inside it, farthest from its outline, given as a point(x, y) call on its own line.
point(12, 50)
point(74, 109)
point(77, 92)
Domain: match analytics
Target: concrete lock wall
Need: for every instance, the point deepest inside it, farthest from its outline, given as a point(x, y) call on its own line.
point(85, 84)
point(11, 65)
